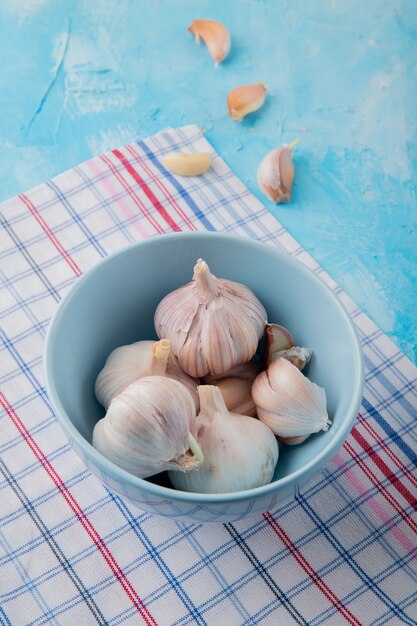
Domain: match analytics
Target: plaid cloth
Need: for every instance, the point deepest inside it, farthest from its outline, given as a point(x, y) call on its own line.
point(72, 552)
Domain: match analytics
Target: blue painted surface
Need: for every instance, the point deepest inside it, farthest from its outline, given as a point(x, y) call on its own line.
point(79, 77)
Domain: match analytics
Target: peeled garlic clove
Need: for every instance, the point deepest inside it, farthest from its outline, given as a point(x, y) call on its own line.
point(237, 395)
point(129, 363)
point(288, 402)
point(277, 338)
point(215, 35)
point(239, 452)
point(187, 164)
point(245, 99)
point(296, 355)
point(276, 174)
point(213, 324)
point(148, 428)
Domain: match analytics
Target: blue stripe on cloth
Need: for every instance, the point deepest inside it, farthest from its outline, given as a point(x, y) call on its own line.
point(181, 190)
point(155, 555)
point(4, 620)
point(392, 434)
point(76, 218)
point(350, 561)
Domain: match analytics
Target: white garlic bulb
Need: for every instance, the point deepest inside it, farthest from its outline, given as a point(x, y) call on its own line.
point(134, 361)
point(236, 387)
point(239, 452)
point(288, 402)
point(213, 324)
point(148, 428)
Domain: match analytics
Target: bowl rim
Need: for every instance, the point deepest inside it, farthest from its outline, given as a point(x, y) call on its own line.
point(109, 468)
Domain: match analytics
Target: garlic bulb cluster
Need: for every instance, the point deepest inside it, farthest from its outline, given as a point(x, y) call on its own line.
point(148, 428)
point(127, 364)
point(239, 452)
point(288, 402)
point(213, 324)
point(222, 438)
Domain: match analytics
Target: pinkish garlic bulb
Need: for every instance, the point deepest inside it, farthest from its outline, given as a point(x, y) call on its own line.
point(288, 402)
point(213, 324)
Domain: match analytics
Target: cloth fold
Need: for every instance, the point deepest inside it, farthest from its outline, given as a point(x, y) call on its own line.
point(341, 551)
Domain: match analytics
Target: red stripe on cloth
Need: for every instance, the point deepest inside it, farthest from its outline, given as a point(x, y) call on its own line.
point(47, 230)
point(132, 194)
point(159, 183)
point(384, 492)
point(394, 480)
point(305, 565)
point(158, 206)
point(79, 513)
point(385, 446)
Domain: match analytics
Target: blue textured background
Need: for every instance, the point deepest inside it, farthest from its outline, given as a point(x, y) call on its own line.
point(80, 77)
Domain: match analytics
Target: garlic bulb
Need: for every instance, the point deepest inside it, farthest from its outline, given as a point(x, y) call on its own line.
point(276, 174)
point(245, 99)
point(147, 428)
point(213, 324)
point(143, 358)
point(288, 402)
point(244, 371)
point(215, 35)
point(239, 452)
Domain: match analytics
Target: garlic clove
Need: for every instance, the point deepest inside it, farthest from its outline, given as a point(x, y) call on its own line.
point(148, 428)
point(213, 324)
point(293, 441)
point(277, 338)
point(129, 363)
point(296, 355)
point(245, 99)
point(187, 164)
point(237, 395)
point(215, 35)
point(288, 402)
point(239, 452)
point(276, 174)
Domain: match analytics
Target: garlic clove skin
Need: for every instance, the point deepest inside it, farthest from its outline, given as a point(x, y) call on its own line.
point(296, 355)
point(237, 395)
point(277, 338)
point(187, 164)
point(215, 35)
point(213, 324)
point(129, 363)
point(245, 99)
point(288, 402)
point(276, 175)
point(239, 452)
point(148, 428)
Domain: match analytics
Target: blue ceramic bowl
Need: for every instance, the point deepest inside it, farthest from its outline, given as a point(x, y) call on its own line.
point(114, 304)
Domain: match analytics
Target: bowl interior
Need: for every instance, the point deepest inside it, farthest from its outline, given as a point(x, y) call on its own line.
point(114, 305)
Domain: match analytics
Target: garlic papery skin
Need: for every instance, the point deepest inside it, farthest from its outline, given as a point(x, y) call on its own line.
point(277, 338)
point(245, 99)
point(239, 452)
point(244, 371)
point(215, 35)
point(237, 395)
point(296, 355)
point(213, 324)
point(129, 363)
point(187, 164)
point(276, 174)
point(288, 402)
point(148, 428)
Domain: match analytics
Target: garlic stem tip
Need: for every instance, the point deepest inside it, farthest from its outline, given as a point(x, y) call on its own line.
point(195, 448)
point(294, 143)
